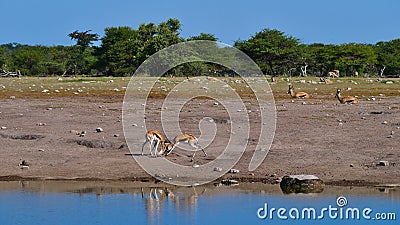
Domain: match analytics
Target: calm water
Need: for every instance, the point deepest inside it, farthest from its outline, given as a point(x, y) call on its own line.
point(108, 203)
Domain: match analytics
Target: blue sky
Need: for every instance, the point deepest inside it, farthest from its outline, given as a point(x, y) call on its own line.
point(47, 22)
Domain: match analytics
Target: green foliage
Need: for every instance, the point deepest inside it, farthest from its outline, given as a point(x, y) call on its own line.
point(84, 38)
point(124, 49)
point(203, 36)
point(388, 56)
point(272, 50)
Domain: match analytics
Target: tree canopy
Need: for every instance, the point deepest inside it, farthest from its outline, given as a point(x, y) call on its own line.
point(123, 49)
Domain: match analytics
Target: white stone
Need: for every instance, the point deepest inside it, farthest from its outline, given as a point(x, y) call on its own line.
point(383, 163)
point(234, 171)
point(304, 177)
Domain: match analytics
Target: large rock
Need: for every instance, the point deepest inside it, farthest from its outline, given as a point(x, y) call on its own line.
point(301, 184)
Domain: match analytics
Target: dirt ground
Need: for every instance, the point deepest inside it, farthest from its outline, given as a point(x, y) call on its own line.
point(341, 144)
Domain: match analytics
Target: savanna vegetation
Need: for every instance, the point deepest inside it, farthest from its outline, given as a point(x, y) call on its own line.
point(123, 49)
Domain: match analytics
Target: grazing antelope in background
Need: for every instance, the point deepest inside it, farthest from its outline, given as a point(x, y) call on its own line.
point(154, 137)
point(300, 94)
point(347, 99)
point(186, 138)
point(333, 73)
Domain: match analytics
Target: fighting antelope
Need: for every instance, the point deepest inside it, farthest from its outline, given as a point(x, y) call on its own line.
point(186, 138)
point(300, 94)
point(347, 99)
point(333, 73)
point(154, 137)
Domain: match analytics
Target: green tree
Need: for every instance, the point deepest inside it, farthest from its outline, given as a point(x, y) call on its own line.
point(203, 36)
point(84, 38)
point(354, 57)
point(123, 49)
point(321, 58)
point(82, 59)
point(388, 57)
point(275, 52)
point(30, 60)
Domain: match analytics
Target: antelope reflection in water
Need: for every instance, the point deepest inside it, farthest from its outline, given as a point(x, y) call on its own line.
point(158, 199)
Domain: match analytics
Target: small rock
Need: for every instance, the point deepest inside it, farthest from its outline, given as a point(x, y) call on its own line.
point(301, 184)
point(74, 132)
point(195, 166)
point(3, 128)
point(134, 125)
point(229, 182)
point(217, 169)
point(216, 103)
point(99, 129)
point(41, 150)
point(234, 171)
point(391, 132)
point(40, 124)
point(383, 163)
point(12, 97)
point(351, 165)
point(45, 91)
point(385, 122)
point(82, 134)
point(116, 135)
point(23, 163)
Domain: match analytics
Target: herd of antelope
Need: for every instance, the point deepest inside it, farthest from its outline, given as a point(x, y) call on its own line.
point(342, 99)
point(333, 74)
point(155, 138)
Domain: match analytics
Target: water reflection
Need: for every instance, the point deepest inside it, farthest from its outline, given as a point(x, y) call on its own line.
point(149, 203)
point(158, 200)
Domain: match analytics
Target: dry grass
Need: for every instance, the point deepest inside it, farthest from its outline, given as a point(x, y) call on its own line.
point(114, 88)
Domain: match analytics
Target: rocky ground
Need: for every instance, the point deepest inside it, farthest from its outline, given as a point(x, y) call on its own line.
point(341, 144)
